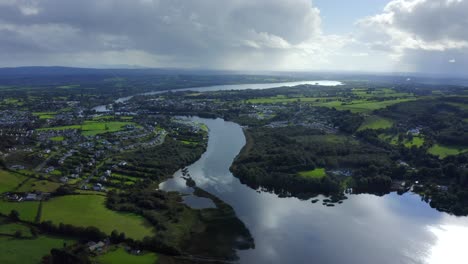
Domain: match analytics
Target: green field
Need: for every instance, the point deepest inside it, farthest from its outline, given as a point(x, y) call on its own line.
point(369, 101)
point(317, 173)
point(285, 99)
point(331, 139)
point(361, 106)
point(356, 106)
point(9, 181)
point(381, 93)
point(39, 185)
point(57, 139)
point(103, 117)
point(92, 128)
point(28, 251)
point(120, 256)
point(90, 210)
point(56, 173)
point(11, 228)
point(444, 151)
point(27, 210)
point(45, 115)
point(417, 141)
point(392, 139)
point(375, 122)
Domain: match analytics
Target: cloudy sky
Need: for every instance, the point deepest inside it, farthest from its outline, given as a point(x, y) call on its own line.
point(307, 35)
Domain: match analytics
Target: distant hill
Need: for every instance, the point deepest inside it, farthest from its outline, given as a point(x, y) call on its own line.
point(19, 74)
point(62, 71)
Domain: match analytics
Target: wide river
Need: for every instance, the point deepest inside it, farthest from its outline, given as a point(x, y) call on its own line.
point(103, 108)
point(365, 229)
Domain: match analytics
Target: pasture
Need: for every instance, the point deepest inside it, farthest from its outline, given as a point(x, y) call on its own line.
point(27, 210)
point(361, 106)
point(12, 228)
point(57, 139)
point(416, 141)
point(93, 128)
point(90, 210)
point(443, 151)
point(38, 185)
point(45, 115)
point(376, 122)
point(120, 256)
point(28, 251)
point(9, 181)
point(316, 173)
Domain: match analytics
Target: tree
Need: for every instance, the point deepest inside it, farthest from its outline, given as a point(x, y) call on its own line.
point(14, 215)
point(33, 231)
point(65, 257)
point(18, 234)
point(114, 237)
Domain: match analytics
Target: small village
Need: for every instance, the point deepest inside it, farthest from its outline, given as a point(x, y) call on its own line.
point(76, 148)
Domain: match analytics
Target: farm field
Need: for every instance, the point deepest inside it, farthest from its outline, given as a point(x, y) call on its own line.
point(27, 210)
point(57, 139)
point(284, 99)
point(355, 106)
point(92, 128)
point(120, 256)
point(38, 185)
point(416, 141)
point(443, 151)
point(381, 93)
point(28, 251)
point(361, 106)
point(331, 139)
point(10, 180)
point(90, 210)
point(45, 115)
point(376, 122)
point(12, 228)
point(317, 173)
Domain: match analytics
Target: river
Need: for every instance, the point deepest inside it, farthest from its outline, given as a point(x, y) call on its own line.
point(365, 229)
point(103, 108)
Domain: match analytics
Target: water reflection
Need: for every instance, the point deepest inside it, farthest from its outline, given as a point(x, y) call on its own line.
point(450, 245)
point(103, 108)
point(364, 229)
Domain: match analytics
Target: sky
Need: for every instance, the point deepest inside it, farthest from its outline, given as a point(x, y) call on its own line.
point(427, 36)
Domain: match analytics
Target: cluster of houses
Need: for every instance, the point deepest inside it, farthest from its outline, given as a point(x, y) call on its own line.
point(25, 197)
point(414, 131)
point(100, 247)
point(15, 118)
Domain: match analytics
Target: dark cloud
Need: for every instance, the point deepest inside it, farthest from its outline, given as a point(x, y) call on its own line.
point(432, 20)
point(231, 34)
point(422, 35)
point(191, 32)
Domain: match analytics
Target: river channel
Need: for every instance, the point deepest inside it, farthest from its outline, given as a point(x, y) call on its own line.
point(365, 229)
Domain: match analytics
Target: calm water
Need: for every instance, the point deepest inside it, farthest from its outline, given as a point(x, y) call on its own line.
point(365, 229)
point(102, 108)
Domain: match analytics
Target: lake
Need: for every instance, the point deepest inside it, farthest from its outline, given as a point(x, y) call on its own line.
point(365, 229)
point(103, 108)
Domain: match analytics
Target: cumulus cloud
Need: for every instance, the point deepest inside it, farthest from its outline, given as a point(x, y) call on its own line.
point(204, 33)
point(413, 35)
point(421, 35)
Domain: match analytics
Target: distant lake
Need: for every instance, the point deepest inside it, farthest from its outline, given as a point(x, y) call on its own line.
point(102, 108)
point(365, 229)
